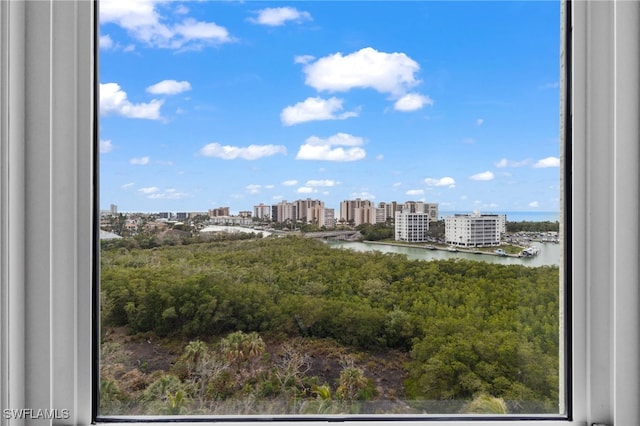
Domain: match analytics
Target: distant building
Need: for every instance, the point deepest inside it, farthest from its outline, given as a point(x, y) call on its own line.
point(114, 209)
point(262, 212)
point(285, 212)
point(357, 212)
point(474, 230)
point(195, 214)
point(329, 218)
point(421, 207)
point(230, 220)
point(218, 212)
point(411, 227)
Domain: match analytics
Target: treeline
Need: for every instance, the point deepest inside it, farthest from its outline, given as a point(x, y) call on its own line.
point(525, 226)
point(377, 232)
point(173, 238)
point(470, 327)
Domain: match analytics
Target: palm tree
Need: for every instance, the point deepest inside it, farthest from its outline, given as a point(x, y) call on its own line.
point(195, 353)
point(486, 404)
point(352, 383)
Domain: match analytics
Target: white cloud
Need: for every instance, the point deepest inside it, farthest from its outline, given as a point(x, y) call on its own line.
point(168, 194)
point(443, 181)
point(547, 162)
point(141, 161)
point(303, 59)
point(484, 176)
point(325, 182)
point(144, 22)
point(504, 162)
point(181, 10)
point(305, 190)
point(155, 193)
point(149, 190)
point(113, 100)
point(128, 185)
point(534, 204)
point(479, 121)
point(314, 109)
point(331, 149)
point(392, 73)
point(276, 16)
point(380, 157)
point(106, 42)
point(105, 146)
point(414, 192)
point(251, 152)
point(412, 102)
point(169, 87)
point(253, 188)
point(290, 182)
point(190, 30)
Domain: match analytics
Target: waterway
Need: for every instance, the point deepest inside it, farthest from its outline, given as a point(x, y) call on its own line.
point(549, 253)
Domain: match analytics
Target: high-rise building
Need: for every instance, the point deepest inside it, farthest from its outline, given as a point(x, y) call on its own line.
point(357, 212)
point(309, 210)
point(286, 212)
point(329, 218)
point(262, 212)
point(219, 212)
point(422, 207)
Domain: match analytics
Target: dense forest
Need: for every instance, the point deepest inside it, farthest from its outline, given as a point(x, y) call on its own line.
point(252, 319)
point(525, 226)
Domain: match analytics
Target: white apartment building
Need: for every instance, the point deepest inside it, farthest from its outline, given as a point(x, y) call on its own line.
point(411, 227)
point(329, 219)
point(474, 230)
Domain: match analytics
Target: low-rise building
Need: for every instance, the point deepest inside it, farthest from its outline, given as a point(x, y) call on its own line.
point(411, 227)
point(474, 230)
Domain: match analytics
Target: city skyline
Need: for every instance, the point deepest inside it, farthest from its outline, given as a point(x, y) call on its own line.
point(210, 104)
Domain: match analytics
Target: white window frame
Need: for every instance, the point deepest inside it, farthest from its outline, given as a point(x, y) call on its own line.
point(47, 123)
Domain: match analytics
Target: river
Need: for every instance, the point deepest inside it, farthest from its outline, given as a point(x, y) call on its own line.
point(549, 253)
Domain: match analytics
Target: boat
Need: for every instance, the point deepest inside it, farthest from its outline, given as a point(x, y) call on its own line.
point(430, 247)
point(452, 249)
point(530, 252)
point(501, 252)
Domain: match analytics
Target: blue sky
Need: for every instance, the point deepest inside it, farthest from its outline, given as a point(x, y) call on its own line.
point(206, 104)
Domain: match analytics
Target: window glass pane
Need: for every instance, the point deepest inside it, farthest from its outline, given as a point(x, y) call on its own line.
point(330, 208)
